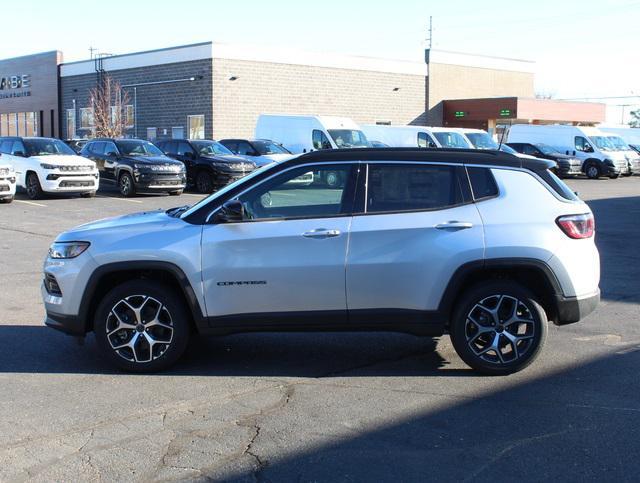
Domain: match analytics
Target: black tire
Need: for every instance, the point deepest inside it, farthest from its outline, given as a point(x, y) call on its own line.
point(7, 200)
point(626, 175)
point(614, 176)
point(204, 182)
point(593, 171)
point(34, 189)
point(473, 335)
point(152, 298)
point(126, 185)
point(175, 193)
point(90, 194)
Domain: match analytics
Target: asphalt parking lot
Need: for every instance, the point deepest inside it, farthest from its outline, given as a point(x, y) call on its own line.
point(318, 407)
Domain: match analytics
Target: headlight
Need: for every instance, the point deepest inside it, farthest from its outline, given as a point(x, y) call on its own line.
point(67, 249)
point(49, 166)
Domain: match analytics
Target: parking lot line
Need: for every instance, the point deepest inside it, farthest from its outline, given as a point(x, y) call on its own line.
point(30, 203)
point(119, 199)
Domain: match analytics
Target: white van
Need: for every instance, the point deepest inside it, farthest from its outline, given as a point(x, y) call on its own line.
point(599, 157)
point(415, 136)
point(301, 134)
point(632, 157)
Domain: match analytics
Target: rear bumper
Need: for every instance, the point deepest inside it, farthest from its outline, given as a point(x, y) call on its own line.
point(573, 309)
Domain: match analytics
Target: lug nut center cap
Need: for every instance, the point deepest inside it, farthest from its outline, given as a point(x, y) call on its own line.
point(140, 328)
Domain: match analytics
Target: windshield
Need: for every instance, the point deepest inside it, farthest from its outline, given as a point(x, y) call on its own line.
point(451, 140)
point(138, 148)
point(618, 143)
point(349, 138)
point(602, 143)
point(269, 147)
point(211, 148)
point(481, 140)
point(546, 149)
point(46, 147)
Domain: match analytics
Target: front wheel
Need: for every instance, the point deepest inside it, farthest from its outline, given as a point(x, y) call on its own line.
point(593, 171)
point(125, 185)
point(175, 193)
point(34, 189)
point(498, 328)
point(7, 200)
point(88, 194)
point(142, 326)
point(204, 182)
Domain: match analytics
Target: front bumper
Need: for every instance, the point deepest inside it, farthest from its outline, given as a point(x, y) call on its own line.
point(569, 169)
point(70, 183)
point(160, 181)
point(69, 324)
point(223, 178)
point(7, 187)
point(634, 166)
point(573, 309)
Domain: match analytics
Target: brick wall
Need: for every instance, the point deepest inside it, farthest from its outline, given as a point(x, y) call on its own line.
point(263, 87)
point(460, 82)
point(161, 106)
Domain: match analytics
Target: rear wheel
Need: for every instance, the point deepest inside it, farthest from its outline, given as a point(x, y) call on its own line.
point(498, 328)
point(125, 185)
point(34, 189)
point(593, 171)
point(90, 194)
point(142, 326)
point(204, 182)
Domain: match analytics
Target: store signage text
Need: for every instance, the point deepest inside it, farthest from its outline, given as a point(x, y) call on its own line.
point(16, 85)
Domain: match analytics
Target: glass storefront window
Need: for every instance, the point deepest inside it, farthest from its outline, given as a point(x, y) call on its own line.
point(22, 125)
point(196, 126)
point(71, 123)
point(31, 124)
point(4, 125)
point(129, 115)
point(152, 133)
point(86, 117)
point(13, 124)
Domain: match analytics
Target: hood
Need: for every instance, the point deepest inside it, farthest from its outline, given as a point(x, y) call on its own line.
point(137, 220)
point(154, 160)
point(278, 158)
point(229, 158)
point(64, 160)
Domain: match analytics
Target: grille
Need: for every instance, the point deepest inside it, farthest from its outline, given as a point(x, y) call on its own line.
point(75, 184)
point(4, 187)
point(77, 168)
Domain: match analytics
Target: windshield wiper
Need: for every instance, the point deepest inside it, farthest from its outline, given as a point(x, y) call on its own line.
point(176, 212)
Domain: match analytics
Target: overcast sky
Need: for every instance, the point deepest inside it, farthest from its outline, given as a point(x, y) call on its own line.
point(582, 47)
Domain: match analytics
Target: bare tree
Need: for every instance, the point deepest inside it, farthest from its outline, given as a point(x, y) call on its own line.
point(109, 101)
point(545, 94)
point(635, 119)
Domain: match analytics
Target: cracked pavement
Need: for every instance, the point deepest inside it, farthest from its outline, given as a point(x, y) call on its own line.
point(318, 407)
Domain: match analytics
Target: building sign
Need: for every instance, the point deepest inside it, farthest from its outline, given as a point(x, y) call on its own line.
point(505, 112)
point(15, 86)
point(460, 114)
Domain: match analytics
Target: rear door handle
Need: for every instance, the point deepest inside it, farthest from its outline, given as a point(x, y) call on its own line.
point(321, 233)
point(454, 225)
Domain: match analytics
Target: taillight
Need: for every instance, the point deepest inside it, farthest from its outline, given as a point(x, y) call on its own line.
point(577, 226)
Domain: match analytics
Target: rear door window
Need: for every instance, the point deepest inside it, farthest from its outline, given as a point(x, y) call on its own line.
point(412, 187)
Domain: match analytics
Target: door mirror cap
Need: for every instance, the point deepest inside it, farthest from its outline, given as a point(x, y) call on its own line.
point(231, 212)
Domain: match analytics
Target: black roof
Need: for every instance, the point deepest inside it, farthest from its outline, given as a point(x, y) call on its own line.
point(447, 155)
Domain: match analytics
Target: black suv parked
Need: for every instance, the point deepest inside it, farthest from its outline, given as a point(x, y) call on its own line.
point(136, 165)
point(210, 165)
point(567, 165)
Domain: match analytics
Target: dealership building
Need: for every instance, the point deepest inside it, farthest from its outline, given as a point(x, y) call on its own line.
point(216, 90)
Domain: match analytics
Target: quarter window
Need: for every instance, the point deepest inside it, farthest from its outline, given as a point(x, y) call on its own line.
point(483, 183)
point(303, 192)
point(414, 187)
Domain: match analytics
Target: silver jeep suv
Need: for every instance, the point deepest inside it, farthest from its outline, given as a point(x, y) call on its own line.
point(483, 245)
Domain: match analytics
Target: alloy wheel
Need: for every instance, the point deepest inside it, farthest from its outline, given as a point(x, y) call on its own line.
point(125, 185)
point(592, 172)
point(500, 329)
point(139, 328)
point(32, 186)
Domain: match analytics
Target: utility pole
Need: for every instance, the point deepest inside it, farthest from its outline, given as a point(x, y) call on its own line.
point(91, 51)
point(430, 38)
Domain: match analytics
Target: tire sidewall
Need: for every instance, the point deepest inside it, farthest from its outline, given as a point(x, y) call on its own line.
point(37, 192)
point(596, 174)
point(131, 186)
point(201, 175)
point(480, 292)
point(174, 304)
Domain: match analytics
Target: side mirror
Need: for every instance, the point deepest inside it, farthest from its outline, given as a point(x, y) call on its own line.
point(20, 153)
point(189, 155)
point(111, 154)
point(230, 212)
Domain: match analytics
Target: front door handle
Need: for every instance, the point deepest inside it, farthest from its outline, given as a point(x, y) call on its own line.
point(321, 233)
point(454, 225)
